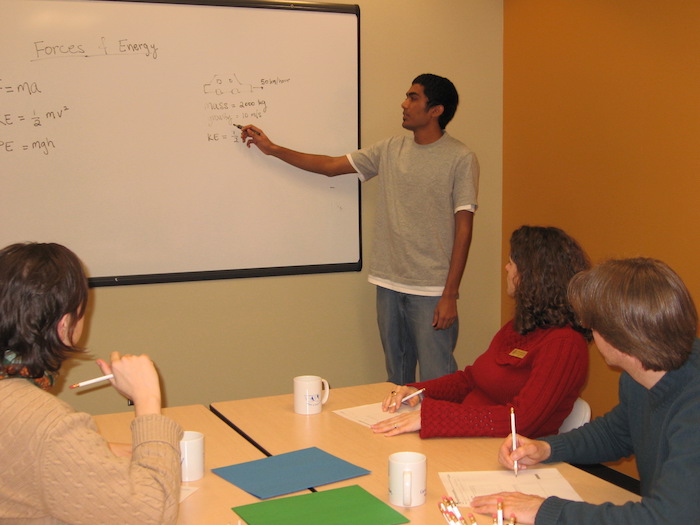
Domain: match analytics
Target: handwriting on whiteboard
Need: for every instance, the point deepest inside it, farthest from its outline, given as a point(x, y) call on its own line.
point(230, 100)
point(227, 100)
point(103, 47)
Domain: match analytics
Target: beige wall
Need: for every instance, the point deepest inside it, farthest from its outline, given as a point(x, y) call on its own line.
point(601, 134)
point(248, 337)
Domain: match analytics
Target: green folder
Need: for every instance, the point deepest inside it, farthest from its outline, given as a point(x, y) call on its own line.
point(344, 506)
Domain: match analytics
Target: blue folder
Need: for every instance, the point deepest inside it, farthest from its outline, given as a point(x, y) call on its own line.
point(290, 472)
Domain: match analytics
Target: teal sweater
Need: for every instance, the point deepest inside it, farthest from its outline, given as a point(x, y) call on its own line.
point(661, 427)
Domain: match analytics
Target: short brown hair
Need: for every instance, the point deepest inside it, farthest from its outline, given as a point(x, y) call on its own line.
point(639, 306)
point(39, 284)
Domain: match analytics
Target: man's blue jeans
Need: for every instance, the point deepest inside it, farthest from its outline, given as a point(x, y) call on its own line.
point(408, 337)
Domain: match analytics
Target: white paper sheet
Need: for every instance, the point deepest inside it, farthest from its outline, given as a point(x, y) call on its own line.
point(544, 482)
point(186, 490)
point(368, 415)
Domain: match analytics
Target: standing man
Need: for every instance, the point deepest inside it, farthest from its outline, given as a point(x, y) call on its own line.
point(423, 229)
point(644, 322)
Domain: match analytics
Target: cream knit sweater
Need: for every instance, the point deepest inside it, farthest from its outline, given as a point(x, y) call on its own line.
point(57, 469)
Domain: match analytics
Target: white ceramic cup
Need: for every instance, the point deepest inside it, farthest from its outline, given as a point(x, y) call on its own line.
point(192, 455)
point(310, 394)
point(407, 479)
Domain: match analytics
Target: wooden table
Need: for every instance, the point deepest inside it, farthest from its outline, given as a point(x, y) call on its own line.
point(211, 503)
point(273, 424)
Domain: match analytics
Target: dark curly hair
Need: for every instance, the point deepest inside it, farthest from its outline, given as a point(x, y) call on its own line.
point(39, 284)
point(546, 259)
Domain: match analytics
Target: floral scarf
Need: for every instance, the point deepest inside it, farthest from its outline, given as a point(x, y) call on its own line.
point(10, 368)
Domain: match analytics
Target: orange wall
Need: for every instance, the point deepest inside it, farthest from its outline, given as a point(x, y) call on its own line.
point(602, 134)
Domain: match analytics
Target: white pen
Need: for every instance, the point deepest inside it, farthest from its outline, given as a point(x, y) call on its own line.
point(515, 441)
point(416, 393)
point(93, 381)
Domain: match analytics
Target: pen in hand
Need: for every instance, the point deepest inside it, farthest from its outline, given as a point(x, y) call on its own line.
point(92, 381)
point(515, 441)
point(98, 380)
point(418, 392)
point(250, 129)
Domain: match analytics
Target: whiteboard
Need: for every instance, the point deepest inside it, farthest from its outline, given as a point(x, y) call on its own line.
point(117, 137)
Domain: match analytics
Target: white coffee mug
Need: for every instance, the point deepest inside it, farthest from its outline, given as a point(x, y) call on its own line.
point(310, 394)
point(192, 455)
point(407, 479)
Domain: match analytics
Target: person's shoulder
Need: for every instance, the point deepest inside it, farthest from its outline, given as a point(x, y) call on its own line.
point(19, 387)
point(383, 145)
point(396, 141)
point(564, 334)
point(393, 139)
point(693, 364)
point(455, 143)
point(689, 372)
point(29, 406)
point(41, 400)
point(687, 387)
point(562, 331)
point(694, 357)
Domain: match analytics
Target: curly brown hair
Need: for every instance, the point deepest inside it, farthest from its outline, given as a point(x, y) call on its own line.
point(547, 258)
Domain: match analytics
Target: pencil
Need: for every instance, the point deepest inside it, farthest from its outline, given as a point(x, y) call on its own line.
point(93, 381)
point(452, 506)
point(408, 397)
point(515, 441)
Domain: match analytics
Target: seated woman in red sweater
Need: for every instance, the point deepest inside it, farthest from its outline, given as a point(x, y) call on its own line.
point(537, 363)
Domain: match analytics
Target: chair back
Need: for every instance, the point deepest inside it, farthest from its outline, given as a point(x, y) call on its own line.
point(580, 414)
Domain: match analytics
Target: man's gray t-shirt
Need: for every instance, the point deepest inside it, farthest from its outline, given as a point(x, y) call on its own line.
point(421, 188)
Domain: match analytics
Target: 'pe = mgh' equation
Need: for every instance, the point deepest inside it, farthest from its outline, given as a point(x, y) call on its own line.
point(44, 146)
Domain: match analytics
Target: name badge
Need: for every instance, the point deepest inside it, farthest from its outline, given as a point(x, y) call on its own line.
point(517, 352)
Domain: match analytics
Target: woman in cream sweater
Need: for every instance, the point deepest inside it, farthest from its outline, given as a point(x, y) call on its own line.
point(56, 468)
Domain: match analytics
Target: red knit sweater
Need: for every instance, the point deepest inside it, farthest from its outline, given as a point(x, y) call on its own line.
point(541, 380)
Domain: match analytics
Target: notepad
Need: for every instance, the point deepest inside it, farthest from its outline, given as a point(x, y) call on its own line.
point(344, 506)
point(543, 482)
point(287, 473)
point(368, 415)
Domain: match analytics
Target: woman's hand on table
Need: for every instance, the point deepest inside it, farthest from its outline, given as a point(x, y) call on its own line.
point(399, 424)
